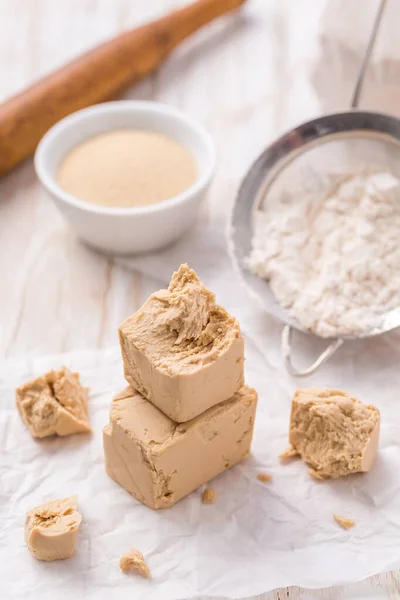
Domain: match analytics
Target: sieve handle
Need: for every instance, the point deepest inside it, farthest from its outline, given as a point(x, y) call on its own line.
point(287, 354)
point(355, 101)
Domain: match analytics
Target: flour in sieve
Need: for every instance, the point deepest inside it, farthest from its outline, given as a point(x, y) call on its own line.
point(333, 260)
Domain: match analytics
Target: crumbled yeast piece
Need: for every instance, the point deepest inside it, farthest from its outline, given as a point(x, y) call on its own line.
point(345, 522)
point(54, 404)
point(181, 350)
point(264, 477)
point(334, 433)
point(209, 496)
point(134, 561)
point(51, 529)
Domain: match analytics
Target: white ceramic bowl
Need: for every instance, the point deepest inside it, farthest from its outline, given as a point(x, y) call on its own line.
point(126, 230)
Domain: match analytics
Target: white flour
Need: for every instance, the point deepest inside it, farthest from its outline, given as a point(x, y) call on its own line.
point(334, 260)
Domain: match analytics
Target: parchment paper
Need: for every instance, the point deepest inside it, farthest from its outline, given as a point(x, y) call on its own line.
point(257, 536)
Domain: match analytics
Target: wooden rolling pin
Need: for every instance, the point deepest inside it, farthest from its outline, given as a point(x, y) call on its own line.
point(96, 76)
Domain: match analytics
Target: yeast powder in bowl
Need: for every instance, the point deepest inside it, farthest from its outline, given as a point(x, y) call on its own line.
point(128, 176)
point(127, 168)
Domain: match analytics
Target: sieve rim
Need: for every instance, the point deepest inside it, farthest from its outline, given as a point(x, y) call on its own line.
point(264, 171)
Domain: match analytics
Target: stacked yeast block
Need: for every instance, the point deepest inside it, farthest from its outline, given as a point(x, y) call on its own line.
point(186, 415)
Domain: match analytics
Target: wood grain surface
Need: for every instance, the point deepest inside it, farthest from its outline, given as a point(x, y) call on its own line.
point(96, 76)
point(246, 78)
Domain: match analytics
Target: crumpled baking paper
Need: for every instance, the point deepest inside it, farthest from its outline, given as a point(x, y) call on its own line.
point(256, 537)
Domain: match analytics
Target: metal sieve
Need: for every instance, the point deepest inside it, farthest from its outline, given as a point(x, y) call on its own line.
point(303, 159)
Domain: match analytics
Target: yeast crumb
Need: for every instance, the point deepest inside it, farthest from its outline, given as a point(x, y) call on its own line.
point(209, 496)
point(133, 560)
point(290, 452)
point(344, 522)
point(264, 477)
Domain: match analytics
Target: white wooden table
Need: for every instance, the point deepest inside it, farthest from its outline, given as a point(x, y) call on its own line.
point(245, 79)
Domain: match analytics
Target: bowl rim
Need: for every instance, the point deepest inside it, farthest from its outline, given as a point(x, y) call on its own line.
point(52, 136)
